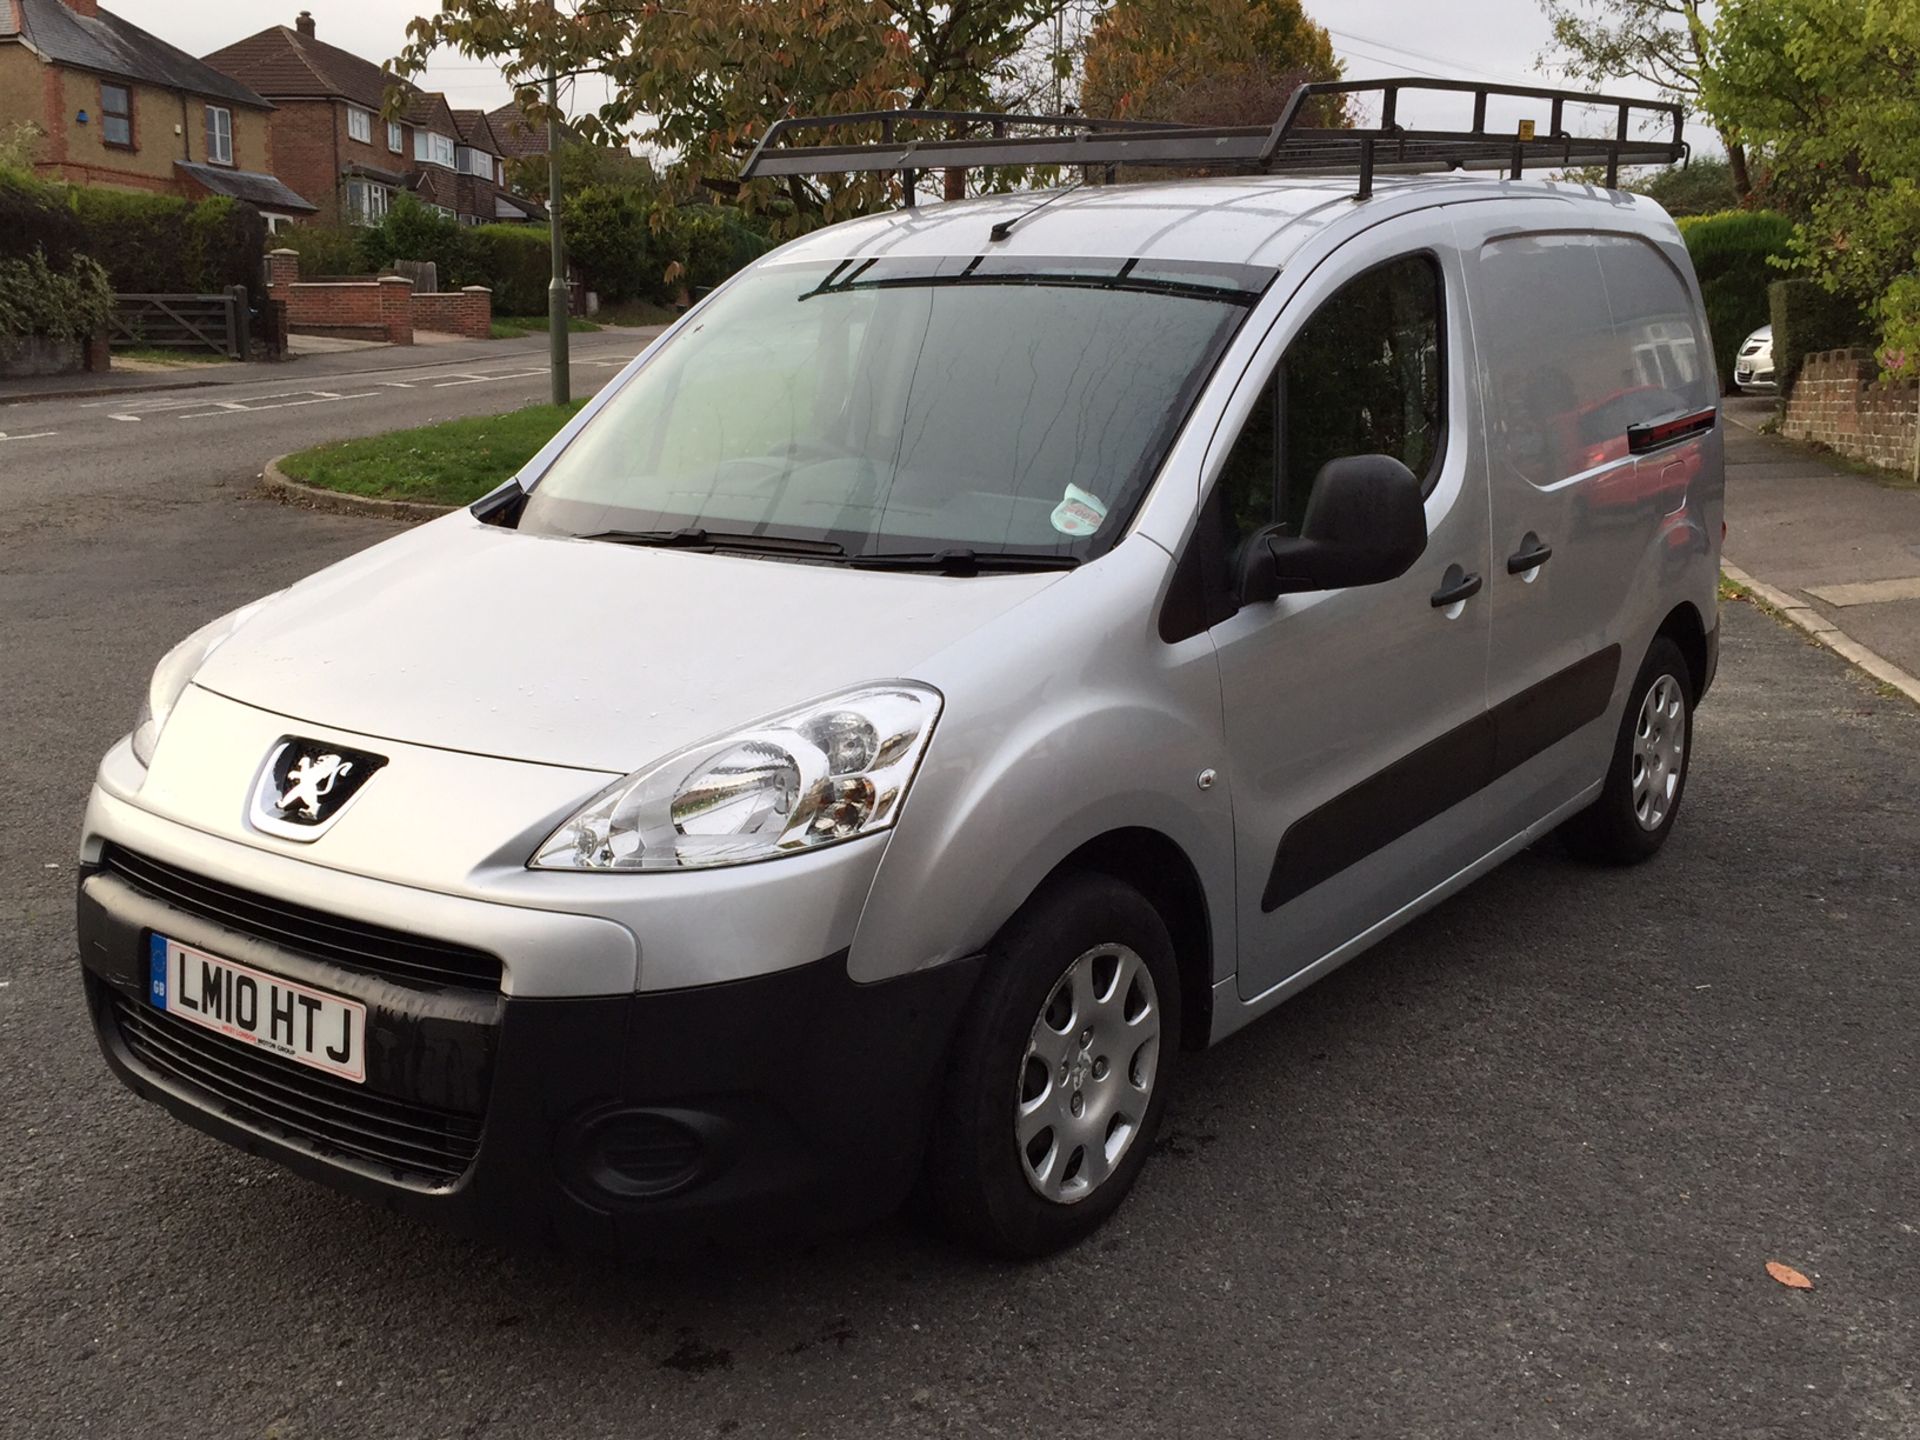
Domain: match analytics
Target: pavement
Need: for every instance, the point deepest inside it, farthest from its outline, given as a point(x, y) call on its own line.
point(1516, 1172)
point(1840, 548)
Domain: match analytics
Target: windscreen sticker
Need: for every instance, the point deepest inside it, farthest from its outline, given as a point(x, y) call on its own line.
point(1078, 513)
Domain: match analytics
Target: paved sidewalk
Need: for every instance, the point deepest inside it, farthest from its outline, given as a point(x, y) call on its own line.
point(358, 360)
point(1844, 549)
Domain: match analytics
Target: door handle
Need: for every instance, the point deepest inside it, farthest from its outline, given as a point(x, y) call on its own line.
point(1532, 554)
point(1456, 585)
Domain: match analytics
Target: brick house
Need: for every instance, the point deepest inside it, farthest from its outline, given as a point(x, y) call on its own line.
point(334, 141)
point(118, 107)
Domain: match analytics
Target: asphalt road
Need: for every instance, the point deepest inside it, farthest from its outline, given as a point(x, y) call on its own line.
point(1516, 1172)
point(153, 450)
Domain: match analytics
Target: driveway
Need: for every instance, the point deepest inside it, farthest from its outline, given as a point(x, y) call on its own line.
point(1516, 1172)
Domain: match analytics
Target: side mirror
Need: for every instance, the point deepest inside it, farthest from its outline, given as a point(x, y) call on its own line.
point(1366, 523)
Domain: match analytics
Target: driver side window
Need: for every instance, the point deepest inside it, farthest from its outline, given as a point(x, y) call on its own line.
point(1363, 377)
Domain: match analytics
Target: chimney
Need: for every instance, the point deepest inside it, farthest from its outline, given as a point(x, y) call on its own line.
point(304, 23)
point(88, 8)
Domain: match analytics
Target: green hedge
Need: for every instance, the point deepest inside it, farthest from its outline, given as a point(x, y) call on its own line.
point(630, 250)
point(324, 249)
point(515, 262)
point(1733, 255)
point(1808, 319)
point(72, 301)
point(147, 244)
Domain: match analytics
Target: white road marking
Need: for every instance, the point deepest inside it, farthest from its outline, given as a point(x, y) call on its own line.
point(36, 435)
point(1868, 592)
point(314, 397)
point(134, 418)
point(396, 384)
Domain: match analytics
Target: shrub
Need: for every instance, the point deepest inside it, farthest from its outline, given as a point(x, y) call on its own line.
point(71, 302)
point(610, 236)
point(514, 262)
point(410, 231)
point(716, 244)
point(1808, 318)
point(323, 249)
point(37, 218)
point(1733, 254)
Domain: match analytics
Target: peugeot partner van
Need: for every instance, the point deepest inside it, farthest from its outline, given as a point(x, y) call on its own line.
point(981, 653)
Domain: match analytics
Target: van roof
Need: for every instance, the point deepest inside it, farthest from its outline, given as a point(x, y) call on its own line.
point(1242, 220)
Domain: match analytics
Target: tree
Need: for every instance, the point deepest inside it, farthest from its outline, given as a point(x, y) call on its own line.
point(1206, 62)
point(1666, 43)
point(1829, 87)
point(1703, 186)
point(704, 78)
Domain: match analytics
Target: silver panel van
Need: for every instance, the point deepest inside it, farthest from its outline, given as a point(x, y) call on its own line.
point(980, 653)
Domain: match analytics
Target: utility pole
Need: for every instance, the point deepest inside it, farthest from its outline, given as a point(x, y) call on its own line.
point(556, 287)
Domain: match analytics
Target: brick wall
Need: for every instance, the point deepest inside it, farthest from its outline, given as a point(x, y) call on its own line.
point(1838, 402)
point(467, 312)
point(350, 309)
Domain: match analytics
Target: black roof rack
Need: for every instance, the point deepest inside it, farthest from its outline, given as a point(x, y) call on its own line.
point(1285, 147)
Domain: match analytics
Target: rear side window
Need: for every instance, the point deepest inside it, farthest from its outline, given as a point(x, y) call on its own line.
point(1581, 336)
point(1362, 377)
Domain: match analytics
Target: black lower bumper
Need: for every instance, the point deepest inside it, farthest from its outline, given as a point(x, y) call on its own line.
point(795, 1101)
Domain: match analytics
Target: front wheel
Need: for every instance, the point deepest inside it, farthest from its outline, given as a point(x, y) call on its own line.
point(1648, 773)
point(1060, 1071)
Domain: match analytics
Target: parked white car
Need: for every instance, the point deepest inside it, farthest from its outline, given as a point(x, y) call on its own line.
point(1753, 366)
point(977, 655)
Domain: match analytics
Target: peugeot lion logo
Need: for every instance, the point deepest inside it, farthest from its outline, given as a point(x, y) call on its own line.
point(310, 782)
point(305, 784)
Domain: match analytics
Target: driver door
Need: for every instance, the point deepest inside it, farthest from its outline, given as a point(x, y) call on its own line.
point(1355, 719)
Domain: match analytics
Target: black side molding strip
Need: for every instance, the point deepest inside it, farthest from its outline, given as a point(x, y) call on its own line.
point(1657, 434)
point(1439, 775)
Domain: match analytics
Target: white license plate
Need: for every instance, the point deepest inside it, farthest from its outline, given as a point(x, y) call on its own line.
point(325, 1031)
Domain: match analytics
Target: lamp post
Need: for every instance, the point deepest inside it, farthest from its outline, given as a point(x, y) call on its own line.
point(557, 286)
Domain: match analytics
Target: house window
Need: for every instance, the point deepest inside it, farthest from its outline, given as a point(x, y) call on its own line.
point(499, 172)
point(433, 149)
point(276, 222)
point(219, 135)
point(396, 137)
point(475, 162)
point(367, 202)
point(360, 125)
point(116, 116)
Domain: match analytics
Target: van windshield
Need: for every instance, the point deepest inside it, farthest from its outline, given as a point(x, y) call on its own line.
point(892, 408)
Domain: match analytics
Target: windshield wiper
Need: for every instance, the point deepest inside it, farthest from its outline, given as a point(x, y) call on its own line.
point(695, 537)
point(962, 561)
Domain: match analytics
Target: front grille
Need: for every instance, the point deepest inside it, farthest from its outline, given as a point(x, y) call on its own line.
point(328, 1116)
point(351, 944)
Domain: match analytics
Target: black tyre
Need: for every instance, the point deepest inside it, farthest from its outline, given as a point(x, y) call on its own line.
point(1060, 1071)
point(1648, 775)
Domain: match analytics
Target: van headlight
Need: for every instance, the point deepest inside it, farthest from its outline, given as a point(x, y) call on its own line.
point(829, 771)
point(176, 670)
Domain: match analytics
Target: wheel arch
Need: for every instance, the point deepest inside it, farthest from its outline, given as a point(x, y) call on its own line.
point(1154, 864)
point(1685, 628)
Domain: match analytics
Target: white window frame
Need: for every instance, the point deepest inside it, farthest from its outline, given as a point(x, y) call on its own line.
point(359, 124)
point(430, 147)
point(219, 135)
point(367, 201)
point(396, 137)
point(473, 162)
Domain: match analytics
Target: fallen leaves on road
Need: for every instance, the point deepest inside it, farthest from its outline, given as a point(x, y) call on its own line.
point(1788, 1276)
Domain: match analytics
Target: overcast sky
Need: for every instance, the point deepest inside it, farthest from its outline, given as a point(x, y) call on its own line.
point(1468, 40)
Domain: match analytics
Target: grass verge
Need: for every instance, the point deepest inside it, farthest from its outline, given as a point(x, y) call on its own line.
point(166, 355)
point(453, 463)
point(512, 327)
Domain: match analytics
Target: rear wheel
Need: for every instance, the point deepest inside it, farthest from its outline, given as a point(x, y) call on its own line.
point(1060, 1071)
point(1648, 774)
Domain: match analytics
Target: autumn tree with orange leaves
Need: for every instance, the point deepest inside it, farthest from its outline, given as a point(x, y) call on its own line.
point(703, 78)
point(1206, 62)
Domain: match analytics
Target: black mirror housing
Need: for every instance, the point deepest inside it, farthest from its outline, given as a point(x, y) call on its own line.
point(1366, 523)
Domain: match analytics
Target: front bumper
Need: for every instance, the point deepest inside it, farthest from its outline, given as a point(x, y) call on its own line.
point(794, 1100)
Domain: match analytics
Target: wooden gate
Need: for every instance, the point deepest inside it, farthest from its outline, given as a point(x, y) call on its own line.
point(188, 322)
